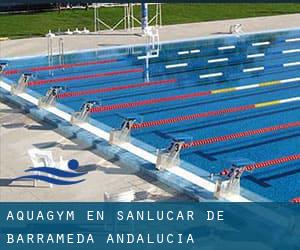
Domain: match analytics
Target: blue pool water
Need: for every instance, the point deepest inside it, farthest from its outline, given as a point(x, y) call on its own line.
point(237, 61)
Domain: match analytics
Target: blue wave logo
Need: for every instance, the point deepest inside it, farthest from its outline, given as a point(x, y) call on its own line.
point(62, 174)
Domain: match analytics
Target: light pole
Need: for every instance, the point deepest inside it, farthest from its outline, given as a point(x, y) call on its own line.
point(144, 14)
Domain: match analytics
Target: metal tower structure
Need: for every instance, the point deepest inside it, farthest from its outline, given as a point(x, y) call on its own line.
point(129, 20)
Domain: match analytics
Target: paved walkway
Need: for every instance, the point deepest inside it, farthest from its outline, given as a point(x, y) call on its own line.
point(35, 46)
point(18, 133)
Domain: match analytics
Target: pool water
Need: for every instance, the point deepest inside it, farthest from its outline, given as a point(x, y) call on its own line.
point(193, 77)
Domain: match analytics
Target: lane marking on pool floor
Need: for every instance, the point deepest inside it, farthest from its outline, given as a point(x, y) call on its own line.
point(291, 64)
point(187, 96)
point(186, 52)
point(292, 40)
point(211, 75)
point(225, 59)
point(290, 51)
point(256, 55)
point(148, 56)
point(253, 69)
point(194, 51)
point(178, 65)
point(226, 47)
point(261, 43)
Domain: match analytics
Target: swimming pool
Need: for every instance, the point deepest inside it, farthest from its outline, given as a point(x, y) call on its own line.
point(232, 99)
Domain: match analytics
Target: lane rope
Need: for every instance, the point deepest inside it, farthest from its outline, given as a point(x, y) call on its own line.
point(160, 122)
point(65, 66)
point(269, 163)
point(111, 89)
point(296, 200)
point(188, 96)
point(147, 102)
point(191, 117)
point(263, 164)
point(80, 77)
point(240, 135)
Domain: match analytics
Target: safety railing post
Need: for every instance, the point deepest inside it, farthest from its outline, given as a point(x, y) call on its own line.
point(50, 52)
point(61, 51)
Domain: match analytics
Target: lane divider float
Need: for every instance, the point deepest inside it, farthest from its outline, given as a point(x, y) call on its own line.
point(161, 122)
point(265, 164)
point(188, 96)
point(116, 88)
point(81, 77)
point(65, 66)
point(296, 200)
point(234, 136)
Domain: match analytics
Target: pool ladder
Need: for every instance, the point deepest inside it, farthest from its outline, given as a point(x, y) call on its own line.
point(153, 48)
point(61, 53)
point(50, 53)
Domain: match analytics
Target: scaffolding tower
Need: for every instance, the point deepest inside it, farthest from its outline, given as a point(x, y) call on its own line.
point(129, 20)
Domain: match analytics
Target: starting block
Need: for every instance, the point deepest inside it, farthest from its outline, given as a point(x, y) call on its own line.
point(231, 185)
point(225, 188)
point(22, 84)
point(236, 29)
point(170, 157)
point(84, 113)
point(50, 97)
point(122, 135)
point(3, 65)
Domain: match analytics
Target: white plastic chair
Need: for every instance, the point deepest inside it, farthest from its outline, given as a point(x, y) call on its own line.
point(77, 31)
point(85, 31)
point(41, 158)
point(127, 196)
point(69, 32)
point(236, 29)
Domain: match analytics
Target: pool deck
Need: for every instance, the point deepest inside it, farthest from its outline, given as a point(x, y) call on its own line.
point(37, 46)
point(18, 133)
point(106, 176)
